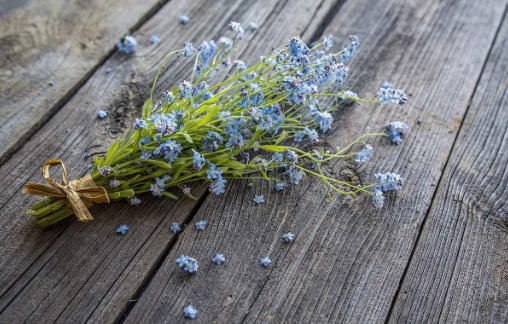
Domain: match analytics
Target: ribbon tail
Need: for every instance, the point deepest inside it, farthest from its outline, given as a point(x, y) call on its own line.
point(42, 190)
point(79, 207)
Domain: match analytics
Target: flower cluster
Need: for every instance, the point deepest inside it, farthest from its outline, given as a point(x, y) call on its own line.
point(240, 128)
point(128, 44)
point(395, 131)
point(187, 263)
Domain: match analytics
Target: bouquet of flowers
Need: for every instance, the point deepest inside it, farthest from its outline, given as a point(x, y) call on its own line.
point(241, 128)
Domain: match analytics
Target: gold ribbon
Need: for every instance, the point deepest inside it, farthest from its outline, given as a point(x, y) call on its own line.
point(79, 194)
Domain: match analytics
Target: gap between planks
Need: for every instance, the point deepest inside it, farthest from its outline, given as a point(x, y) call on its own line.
point(67, 96)
point(445, 167)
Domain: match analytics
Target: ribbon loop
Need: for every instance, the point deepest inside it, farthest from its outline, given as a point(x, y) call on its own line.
point(79, 194)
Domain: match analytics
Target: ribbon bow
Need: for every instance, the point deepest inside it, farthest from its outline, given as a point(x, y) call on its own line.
point(79, 194)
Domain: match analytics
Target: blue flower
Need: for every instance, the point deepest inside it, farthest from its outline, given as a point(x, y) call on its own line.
point(160, 182)
point(395, 131)
point(122, 229)
point(225, 42)
point(187, 49)
point(175, 228)
point(288, 237)
point(240, 65)
point(200, 225)
point(365, 154)
point(187, 263)
point(184, 19)
point(227, 63)
point(387, 85)
point(107, 71)
point(114, 183)
point(324, 119)
point(295, 174)
point(259, 199)
point(297, 48)
point(198, 160)
point(102, 114)
point(104, 171)
point(218, 258)
point(156, 190)
point(51, 83)
point(299, 136)
point(213, 172)
point(87, 155)
point(313, 135)
point(389, 95)
point(379, 199)
point(154, 39)
point(327, 42)
point(181, 260)
point(350, 50)
point(218, 187)
point(190, 312)
point(280, 186)
point(253, 26)
point(135, 200)
point(237, 28)
point(265, 262)
point(186, 190)
point(128, 44)
point(168, 95)
point(145, 155)
point(205, 50)
point(277, 157)
point(185, 89)
point(389, 181)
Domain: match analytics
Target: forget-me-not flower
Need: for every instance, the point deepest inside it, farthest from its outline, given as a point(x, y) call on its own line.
point(190, 312)
point(265, 262)
point(218, 258)
point(200, 225)
point(259, 199)
point(122, 229)
point(175, 228)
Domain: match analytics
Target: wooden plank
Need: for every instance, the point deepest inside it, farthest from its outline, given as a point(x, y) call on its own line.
point(347, 260)
point(62, 274)
point(54, 41)
point(459, 269)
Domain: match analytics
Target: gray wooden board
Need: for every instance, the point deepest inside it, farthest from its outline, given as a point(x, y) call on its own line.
point(348, 259)
point(86, 272)
point(459, 271)
point(58, 41)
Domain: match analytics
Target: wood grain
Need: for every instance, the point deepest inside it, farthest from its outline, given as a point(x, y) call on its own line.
point(63, 274)
point(54, 41)
point(348, 259)
point(459, 271)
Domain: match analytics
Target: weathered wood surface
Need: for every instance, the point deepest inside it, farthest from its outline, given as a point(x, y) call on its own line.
point(58, 41)
point(459, 269)
point(98, 283)
point(348, 260)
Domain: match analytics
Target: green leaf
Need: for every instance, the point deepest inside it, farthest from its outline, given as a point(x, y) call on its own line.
point(147, 108)
point(233, 164)
point(281, 137)
point(187, 137)
point(264, 175)
point(169, 194)
point(257, 134)
point(159, 164)
point(272, 148)
point(208, 116)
